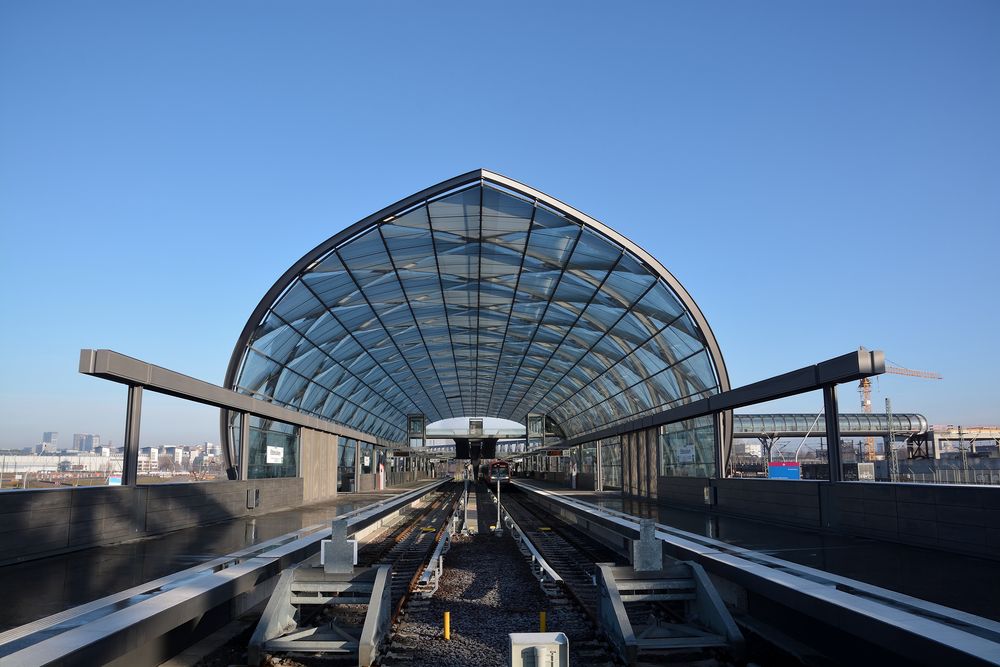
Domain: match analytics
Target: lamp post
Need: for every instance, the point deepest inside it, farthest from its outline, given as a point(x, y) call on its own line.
point(499, 530)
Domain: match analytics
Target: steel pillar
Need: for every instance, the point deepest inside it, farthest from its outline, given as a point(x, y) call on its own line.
point(244, 445)
point(133, 419)
point(832, 416)
point(228, 449)
point(599, 469)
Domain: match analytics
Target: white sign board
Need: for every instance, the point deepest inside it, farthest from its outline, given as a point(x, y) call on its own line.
point(275, 454)
point(366, 461)
point(685, 453)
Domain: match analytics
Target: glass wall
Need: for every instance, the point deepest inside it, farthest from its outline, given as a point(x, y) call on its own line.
point(366, 452)
point(274, 449)
point(611, 464)
point(346, 449)
point(588, 458)
point(687, 448)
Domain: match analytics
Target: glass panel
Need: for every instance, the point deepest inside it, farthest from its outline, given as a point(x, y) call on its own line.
point(274, 449)
point(611, 464)
point(346, 452)
point(687, 448)
point(478, 303)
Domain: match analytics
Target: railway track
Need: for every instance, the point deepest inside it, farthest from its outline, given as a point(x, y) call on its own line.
point(489, 590)
point(404, 546)
point(570, 553)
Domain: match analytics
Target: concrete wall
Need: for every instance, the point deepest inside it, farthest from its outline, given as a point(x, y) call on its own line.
point(585, 481)
point(318, 465)
point(958, 518)
point(955, 518)
point(784, 501)
point(687, 491)
point(41, 522)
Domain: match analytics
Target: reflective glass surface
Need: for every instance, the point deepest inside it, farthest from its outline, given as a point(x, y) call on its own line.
point(479, 302)
point(687, 448)
point(274, 449)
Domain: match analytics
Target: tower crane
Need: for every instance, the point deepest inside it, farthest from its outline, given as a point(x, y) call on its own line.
point(865, 389)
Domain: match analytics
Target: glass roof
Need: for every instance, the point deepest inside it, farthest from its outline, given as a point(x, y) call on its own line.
point(478, 300)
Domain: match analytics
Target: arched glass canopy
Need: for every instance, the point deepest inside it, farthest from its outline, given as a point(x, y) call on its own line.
point(477, 297)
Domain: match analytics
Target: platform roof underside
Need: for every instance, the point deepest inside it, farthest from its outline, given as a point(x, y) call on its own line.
point(480, 299)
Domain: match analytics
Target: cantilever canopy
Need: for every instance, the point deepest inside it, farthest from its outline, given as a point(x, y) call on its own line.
point(477, 297)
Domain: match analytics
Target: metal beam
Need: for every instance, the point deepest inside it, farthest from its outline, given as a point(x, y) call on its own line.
point(845, 368)
point(111, 365)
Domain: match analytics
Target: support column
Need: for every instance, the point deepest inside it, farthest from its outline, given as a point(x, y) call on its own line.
point(598, 469)
point(229, 451)
point(133, 419)
point(244, 445)
point(722, 447)
point(832, 416)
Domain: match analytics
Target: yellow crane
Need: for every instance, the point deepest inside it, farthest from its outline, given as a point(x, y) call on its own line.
point(865, 389)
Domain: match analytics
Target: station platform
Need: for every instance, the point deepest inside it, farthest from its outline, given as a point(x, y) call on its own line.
point(954, 580)
point(38, 588)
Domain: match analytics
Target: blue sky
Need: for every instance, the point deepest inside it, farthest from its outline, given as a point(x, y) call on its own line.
point(819, 175)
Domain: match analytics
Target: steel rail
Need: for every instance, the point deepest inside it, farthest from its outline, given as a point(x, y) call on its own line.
point(925, 632)
point(113, 626)
point(521, 538)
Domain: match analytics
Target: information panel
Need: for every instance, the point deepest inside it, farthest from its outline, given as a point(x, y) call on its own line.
point(784, 470)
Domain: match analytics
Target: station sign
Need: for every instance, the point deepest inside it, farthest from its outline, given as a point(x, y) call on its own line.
point(401, 455)
point(784, 470)
point(554, 452)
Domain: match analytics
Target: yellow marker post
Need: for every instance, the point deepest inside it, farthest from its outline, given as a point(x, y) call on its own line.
point(541, 621)
point(447, 626)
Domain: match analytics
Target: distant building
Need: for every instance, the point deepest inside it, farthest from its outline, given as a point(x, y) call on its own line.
point(50, 438)
point(86, 442)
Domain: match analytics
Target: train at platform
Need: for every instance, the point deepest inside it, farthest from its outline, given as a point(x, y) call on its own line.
point(495, 471)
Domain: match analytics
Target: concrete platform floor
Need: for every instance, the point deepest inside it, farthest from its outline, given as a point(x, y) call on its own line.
point(963, 582)
point(36, 589)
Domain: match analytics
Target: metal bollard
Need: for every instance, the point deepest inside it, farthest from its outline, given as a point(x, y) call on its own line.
point(541, 621)
point(447, 626)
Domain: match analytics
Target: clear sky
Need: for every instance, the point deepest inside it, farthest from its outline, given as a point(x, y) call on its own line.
point(820, 175)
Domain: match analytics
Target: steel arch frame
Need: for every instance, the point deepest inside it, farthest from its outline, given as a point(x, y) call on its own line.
point(481, 176)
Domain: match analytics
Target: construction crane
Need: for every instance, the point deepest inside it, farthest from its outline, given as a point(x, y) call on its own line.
point(865, 389)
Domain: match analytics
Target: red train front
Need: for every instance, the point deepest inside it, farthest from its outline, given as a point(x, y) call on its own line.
point(498, 471)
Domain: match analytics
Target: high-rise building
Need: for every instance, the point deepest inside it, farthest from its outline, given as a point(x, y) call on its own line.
point(50, 439)
point(85, 442)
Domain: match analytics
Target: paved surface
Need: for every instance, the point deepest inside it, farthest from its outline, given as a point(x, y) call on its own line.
point(36, 589)
point(962, 582)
